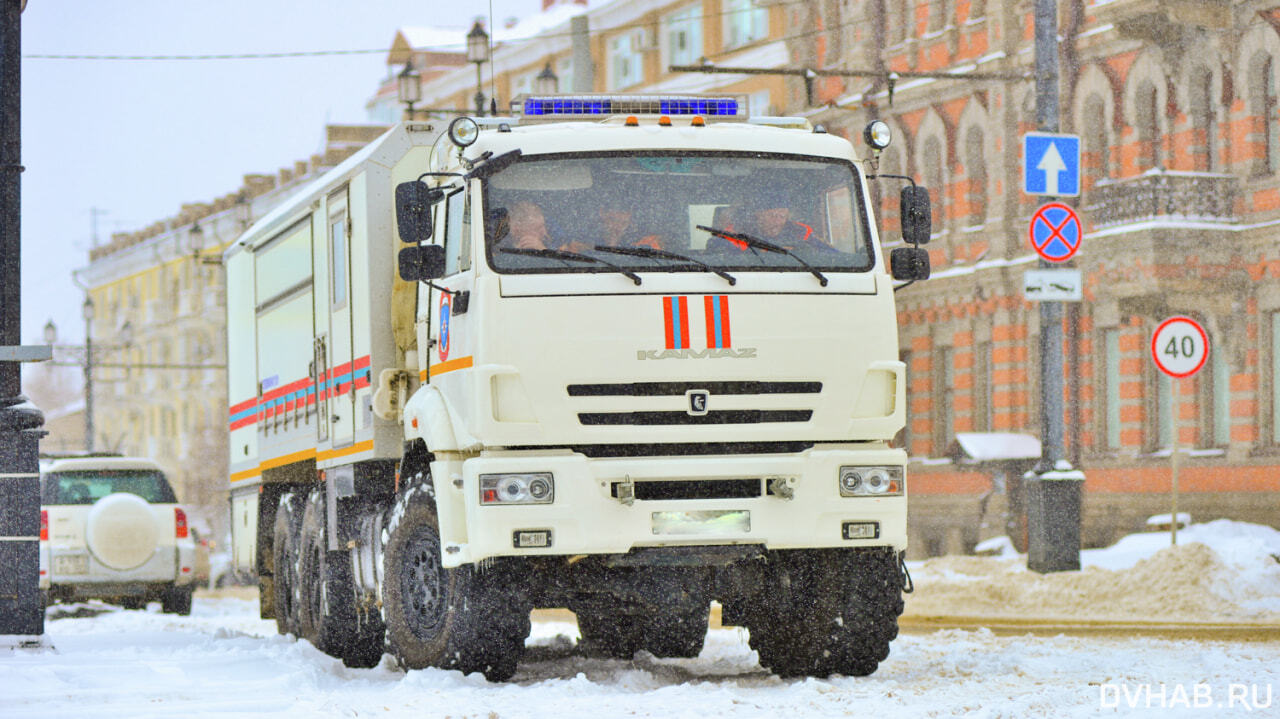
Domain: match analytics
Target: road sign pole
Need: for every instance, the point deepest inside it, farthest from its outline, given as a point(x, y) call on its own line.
point(1055, 490)
point(1173, 460)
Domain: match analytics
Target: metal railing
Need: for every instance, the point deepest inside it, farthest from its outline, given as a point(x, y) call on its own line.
point(1164, 195)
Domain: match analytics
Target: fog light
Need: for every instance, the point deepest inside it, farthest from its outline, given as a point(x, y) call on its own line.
point(861, 530)
point(531, 538)
point(517, 488)
point(871, 481)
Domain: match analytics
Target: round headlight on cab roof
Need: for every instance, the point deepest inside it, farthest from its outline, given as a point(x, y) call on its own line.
point(463, 131)
point(877, 134)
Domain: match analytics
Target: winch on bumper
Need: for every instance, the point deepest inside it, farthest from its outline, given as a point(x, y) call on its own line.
point(530, 503)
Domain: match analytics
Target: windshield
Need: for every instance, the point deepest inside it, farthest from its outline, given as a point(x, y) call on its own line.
point(87, 487)
point(590, 213)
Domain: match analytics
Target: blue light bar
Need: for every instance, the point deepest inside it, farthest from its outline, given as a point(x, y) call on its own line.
point(579, 106)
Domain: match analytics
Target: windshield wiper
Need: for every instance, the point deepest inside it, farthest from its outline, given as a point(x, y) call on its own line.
point(651, 252)
point(567, 255)
point(753, 241)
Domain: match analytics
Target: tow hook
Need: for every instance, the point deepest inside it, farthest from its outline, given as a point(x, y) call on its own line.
point(626, 490)
point(907, 585)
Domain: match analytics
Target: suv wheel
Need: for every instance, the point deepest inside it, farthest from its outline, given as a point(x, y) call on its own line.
point(176, 600)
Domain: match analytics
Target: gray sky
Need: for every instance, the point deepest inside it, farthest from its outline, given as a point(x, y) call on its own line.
point(138, 138)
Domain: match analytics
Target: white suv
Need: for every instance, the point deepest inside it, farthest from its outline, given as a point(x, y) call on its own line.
point(111, 529)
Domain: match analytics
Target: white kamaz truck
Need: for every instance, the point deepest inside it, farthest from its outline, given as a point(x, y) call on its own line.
point(624, 355)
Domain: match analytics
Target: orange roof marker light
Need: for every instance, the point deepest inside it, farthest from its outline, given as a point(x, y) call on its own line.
point(697, 121)
point(665, 121)
point(632, 121)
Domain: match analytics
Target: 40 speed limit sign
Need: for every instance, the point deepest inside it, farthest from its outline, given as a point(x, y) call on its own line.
point(1180, 346)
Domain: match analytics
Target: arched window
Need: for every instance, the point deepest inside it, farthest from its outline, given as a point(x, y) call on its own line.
point(1097, 144)
point(1262, 106)
point(1200, 107)
point(931, 168)
point(1146, 120)
point(975, 168)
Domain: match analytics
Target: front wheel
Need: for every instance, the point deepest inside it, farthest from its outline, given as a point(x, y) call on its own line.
point(826, 612)
point(447, 618)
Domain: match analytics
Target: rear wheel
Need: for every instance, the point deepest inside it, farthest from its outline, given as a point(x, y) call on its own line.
point(176, 600)
point(284, 562)
point(326, 614)
point(133, 603)
point(449, 618)
point(676, 630)
point(608, 633)
point(826, 612)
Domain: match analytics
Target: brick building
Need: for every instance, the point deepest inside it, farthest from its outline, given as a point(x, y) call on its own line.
point(1175, 104)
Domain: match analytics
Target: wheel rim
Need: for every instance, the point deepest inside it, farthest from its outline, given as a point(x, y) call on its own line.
point(422, 584)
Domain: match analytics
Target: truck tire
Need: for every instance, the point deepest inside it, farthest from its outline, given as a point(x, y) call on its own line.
point(447, 618)
point(284, 563)
point(826, 612)
point(176, 600)
point(608, 634)
point(676, 630)
point(326, 614)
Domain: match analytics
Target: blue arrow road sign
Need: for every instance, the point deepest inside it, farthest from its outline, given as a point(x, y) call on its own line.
point(1051, 164)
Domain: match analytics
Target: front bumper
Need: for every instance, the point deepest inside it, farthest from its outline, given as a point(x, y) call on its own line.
point(586, 518)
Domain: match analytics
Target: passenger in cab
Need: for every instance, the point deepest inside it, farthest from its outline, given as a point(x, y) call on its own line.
point(527, 228)
point(768, 218)
point(616, 228)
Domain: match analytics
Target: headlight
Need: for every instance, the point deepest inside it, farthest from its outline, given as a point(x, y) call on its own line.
point(463, 131)
point(524, 488)
point(871, 482)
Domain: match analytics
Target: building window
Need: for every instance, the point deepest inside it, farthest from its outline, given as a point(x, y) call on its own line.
point(744, 23)
point(626, 60)
point(1275, 378)
point(1203, 118)
point(977, 9)
point(943, 401)
point(982, 379)
point(1147, 119)
point(1215, 398)
point(897, 21)
point(903, 438)
point(931, 157)
point(1162, 433)
point(1097, 146)
point(975, 167)
point(1263, 107)
point(682, 36)
point(564, 71)
point(1111, 382)
point(939, 14)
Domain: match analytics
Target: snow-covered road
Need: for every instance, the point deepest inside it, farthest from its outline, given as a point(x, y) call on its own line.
point(224, 661)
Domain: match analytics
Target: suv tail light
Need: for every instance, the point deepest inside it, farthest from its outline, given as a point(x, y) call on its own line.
point(44, 525)
point(179, 523)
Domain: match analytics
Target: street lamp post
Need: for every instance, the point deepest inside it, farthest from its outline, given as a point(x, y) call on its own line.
point(409, 86)
point(478, 53)
point(88, 374)
point(546, 83)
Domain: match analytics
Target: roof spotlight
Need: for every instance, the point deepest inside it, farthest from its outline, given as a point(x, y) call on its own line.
point(877, 135)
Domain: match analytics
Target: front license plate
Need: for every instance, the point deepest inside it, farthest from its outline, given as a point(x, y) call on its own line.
point(714, 521)
point(71, 564)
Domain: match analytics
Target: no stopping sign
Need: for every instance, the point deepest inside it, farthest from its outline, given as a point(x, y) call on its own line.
point(1180, 346)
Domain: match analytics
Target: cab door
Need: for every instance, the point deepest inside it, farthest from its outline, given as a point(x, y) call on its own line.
point(451, 328)
point(339, 378)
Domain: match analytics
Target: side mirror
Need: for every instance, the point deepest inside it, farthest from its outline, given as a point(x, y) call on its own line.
point(421, 263)
point(909, 263)
point(917, 215)
point(413, 210)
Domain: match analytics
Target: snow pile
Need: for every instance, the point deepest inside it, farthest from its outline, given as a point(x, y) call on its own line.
point(1220, 571)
